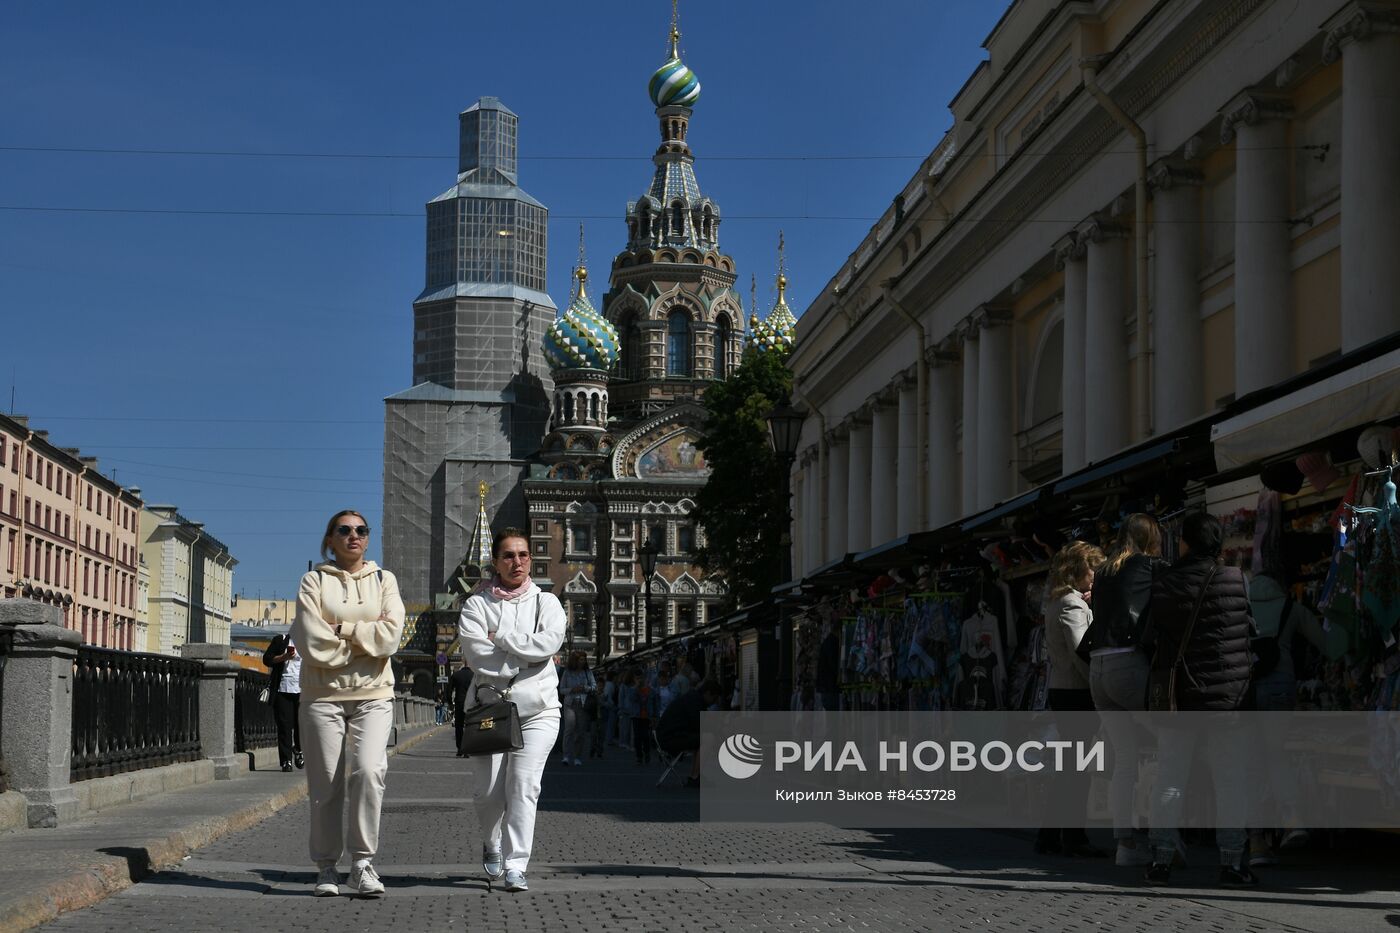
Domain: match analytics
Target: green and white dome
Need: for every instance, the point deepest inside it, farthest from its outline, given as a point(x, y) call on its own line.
point(674, 85)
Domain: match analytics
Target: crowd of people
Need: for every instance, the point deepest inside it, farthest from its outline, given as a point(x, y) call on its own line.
point(1128, 631)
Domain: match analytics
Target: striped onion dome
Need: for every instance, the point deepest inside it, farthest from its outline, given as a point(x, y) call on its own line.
point(776, 331)
point(581, 338)
point(674, 85)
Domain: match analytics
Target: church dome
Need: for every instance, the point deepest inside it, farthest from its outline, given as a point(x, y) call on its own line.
point(673, 84)
point(581, 338)
point(776, 331)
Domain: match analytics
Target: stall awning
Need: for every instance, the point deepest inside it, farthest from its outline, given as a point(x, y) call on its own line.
point(1119, 464)
point(1366, 392)
point(1009, 507)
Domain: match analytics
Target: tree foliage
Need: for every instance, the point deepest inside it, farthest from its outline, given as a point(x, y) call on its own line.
point(742, 507)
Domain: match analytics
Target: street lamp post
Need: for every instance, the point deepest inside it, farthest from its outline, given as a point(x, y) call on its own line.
point(784, 432)
point(647, 553)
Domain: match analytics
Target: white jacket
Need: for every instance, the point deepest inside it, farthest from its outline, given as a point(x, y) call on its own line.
point(505, 638)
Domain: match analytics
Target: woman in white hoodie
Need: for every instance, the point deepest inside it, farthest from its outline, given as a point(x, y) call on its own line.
point(510, 631)
point(349, 622)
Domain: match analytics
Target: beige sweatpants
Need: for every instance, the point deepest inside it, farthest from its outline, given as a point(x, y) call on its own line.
point(347, 755)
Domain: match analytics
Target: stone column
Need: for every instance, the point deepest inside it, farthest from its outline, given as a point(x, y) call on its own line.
point(837, 497)
point(1176, 327)
point(1106, 394)
point(907, 518)
point(858, 487)
point(884, 462)
point(1258, 123)
point(1069, 256)
point(996, 426)
point(812, 535)
point(943, 470)
point(969, 420)
point(216, 701)
point(1366, 35)
point(37, 725)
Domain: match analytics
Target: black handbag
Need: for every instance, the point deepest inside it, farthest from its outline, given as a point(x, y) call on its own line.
point(488, 728)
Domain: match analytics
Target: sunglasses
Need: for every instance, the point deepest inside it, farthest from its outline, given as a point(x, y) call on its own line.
point(345, 531)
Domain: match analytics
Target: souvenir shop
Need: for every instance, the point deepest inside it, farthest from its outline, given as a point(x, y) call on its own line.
point(957, 623)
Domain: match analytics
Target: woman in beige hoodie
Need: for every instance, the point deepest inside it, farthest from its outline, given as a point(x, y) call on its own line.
point(348, 624)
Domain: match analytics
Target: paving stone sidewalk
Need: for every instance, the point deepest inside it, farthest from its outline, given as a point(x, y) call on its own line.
point(613, 851)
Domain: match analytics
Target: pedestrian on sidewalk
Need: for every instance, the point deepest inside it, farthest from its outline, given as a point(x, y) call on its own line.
point(282, 659)
point(607, 702)
point(1067, 618)
point(594, 707)
point(1118, 666)
point(678, 729)
point(575, 685)
point(626, 702)
point(349, 622)
point(1201, 626)
point(510, 630)
point(641, 710)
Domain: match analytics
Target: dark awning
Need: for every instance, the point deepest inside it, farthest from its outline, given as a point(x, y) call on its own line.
point(1009, 507)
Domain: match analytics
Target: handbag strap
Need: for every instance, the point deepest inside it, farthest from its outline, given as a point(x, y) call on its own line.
point(1195, 613)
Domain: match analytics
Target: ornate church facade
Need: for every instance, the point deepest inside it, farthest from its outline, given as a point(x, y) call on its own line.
point(620, 465)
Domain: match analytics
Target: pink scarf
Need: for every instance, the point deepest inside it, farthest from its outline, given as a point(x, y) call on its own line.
point(498, 588)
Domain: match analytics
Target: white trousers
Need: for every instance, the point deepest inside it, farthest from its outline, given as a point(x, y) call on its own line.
point(508, 790)
point(347, 755)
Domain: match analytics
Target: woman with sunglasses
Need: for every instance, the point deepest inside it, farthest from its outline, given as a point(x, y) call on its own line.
point(349, 622)
point(510, 631)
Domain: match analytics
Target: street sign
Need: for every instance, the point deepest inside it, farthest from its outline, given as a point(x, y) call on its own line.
point(441, 658)
point(441, 679)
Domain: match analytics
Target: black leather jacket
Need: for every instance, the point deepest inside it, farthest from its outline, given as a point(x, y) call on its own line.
point(1120, 603)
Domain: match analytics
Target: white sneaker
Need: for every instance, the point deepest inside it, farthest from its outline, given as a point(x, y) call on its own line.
point(365, 880)
point(1132, 856)
point(515, 881)
point(327, 882)
point(578, 762)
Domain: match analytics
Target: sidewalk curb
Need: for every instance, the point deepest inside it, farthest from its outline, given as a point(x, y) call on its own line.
point(105, 875)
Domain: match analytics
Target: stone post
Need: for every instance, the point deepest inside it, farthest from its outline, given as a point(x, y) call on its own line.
point(837, 496)
point(1069, 255)
point(858, 484)
point(970, 380)
point(884, 479)
point(943, 469)
point(1177, 336)
point(37, 725)
point(1263, 241)
point(216, 702)
point(1106, 399)
point(1366, 35)
point(996, 422)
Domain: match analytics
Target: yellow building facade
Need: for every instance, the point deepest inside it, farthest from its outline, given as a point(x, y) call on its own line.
point(1145, 212)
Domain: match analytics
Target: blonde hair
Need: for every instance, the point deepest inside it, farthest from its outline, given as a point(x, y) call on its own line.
point(1140, 534)
point(1071, 564)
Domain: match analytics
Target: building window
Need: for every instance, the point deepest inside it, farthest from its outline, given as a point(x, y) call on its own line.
point(678, 343)
point(541, 548)
point(622, 529)
point(685, 539)
point(630, 363)
point(622, 603)
point(541, 570)
point(722, 348)
point(541, 527)
point(685, 617)
point(656, 534)
point(624, 549)
point(582, 615)
point(581, 536)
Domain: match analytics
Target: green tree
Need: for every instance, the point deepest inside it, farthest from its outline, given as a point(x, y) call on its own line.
point(742, 507)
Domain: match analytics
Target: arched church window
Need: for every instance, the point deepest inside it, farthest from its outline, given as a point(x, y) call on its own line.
point(643, 220)
point(678, 219)
point(678, 343)
point(593, 408)
point(568, 408)
point(722, 347)
point(709, 223)
point(629, 362)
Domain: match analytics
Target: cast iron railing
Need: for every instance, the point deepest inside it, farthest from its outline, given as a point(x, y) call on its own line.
point(254, 726)
point(132, 711)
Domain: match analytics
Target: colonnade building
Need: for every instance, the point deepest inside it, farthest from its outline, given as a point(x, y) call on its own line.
point(1143, 214)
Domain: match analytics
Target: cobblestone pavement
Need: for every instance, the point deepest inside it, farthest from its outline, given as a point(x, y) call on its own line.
point(612, 851)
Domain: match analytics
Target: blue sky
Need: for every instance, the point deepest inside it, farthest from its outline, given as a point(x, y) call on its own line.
point(235, 365)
